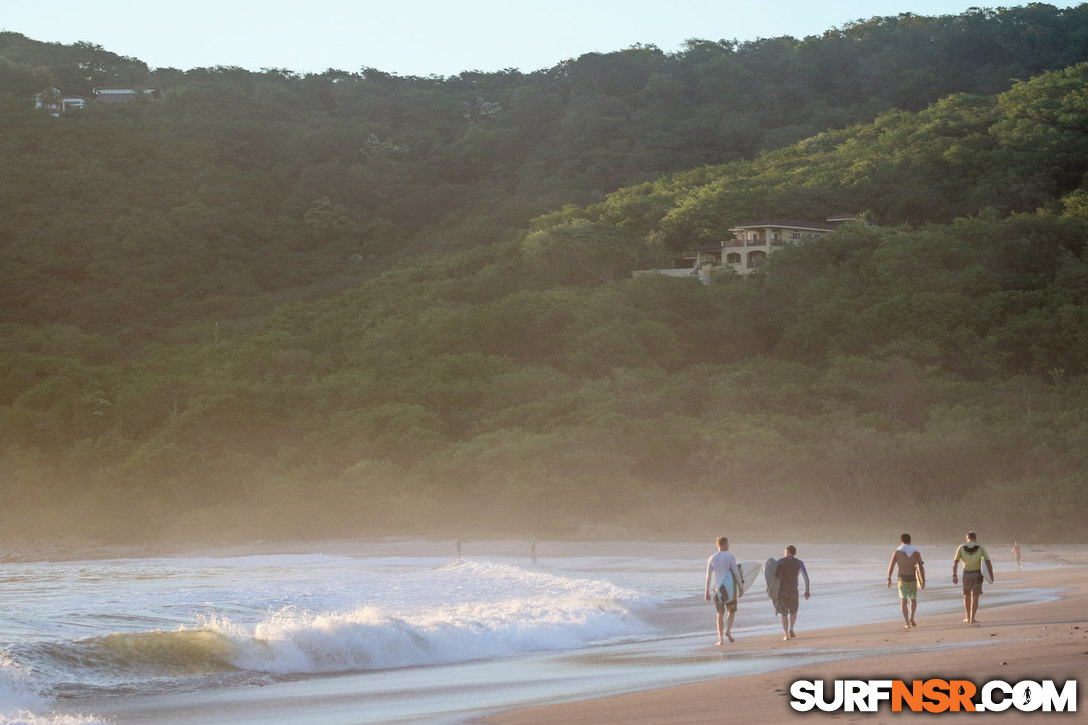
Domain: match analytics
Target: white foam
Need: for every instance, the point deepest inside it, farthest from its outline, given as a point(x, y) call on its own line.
point(456, 613)
point(22, 704)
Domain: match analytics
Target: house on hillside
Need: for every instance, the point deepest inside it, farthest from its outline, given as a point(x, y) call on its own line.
point(749, 246)
point(752, 243)
point(57, 102)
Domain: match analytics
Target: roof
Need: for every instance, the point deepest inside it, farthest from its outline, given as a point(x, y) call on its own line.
point(120, 95)
point(787, 224)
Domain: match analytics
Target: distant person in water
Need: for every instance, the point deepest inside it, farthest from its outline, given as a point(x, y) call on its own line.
point(912, 575)
point(972, 554)
point(788, 567)
point(1016, 553)
point(720, 565)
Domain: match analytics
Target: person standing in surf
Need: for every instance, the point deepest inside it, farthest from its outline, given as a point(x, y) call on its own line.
point(912, 575)
point(971, 553)
point(720, 565)
point(786, 570)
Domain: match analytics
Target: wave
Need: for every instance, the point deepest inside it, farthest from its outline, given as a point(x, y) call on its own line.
point(461, 612)
point(22, 704)
point(181, 652)
point(515, 612)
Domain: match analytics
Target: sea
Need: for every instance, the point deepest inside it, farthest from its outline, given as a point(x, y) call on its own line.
point(404, 631)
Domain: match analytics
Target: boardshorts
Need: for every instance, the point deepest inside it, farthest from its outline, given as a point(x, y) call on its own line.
point(908, 588)
point(788, 602)
point(722, 606)
point(972, 581)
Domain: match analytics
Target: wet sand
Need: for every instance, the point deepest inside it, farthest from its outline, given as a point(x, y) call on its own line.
point(1048, 640)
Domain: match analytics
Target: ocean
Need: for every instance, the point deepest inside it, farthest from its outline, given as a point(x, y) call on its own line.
point(399, 631)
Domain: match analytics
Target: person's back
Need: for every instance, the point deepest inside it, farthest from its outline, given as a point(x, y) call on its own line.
point(971, 554)
point(788, 569)
point(721, 562)
point(907, 563)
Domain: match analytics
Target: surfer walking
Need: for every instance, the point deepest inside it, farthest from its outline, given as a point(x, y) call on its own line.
point(971, 553)
point(720, 565)
point(787, 568)
point(912, 575)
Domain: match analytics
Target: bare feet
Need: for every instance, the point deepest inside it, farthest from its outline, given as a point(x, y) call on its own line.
point(785, 638)
point(720, 643)
point(729, 637)
point(913, 623)
point(793, 635)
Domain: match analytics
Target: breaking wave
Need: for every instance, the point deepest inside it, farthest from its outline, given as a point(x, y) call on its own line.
point(461, 612)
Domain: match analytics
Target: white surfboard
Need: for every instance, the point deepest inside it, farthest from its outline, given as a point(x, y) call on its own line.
point(749, 572)
point(988, 571)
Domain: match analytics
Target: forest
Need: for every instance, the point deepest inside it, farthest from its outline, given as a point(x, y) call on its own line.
point(272, 305)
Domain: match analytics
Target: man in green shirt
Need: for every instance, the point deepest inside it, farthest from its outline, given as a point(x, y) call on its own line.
point(971, 553)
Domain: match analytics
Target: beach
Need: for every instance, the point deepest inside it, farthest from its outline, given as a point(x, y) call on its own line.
point(1048, 640)
point(354, 632)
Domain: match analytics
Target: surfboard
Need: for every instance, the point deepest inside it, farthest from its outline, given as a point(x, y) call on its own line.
point(749, 573)
point(988, 571)
point(727, 587)
point(769, 569)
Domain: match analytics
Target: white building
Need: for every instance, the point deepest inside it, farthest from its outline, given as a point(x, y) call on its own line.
point(752, 243)
point(749, 247)
point(52, 100)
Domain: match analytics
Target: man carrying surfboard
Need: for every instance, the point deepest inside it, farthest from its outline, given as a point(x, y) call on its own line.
point(972, 554)
point(786, 570)
point(722, 570)
point(912, 575)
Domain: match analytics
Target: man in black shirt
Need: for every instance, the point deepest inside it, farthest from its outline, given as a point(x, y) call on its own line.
point(787, 570)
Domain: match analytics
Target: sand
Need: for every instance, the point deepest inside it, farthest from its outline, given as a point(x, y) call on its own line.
point(1033, 642)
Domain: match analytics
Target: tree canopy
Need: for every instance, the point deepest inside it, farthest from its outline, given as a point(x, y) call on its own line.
point(353, 303)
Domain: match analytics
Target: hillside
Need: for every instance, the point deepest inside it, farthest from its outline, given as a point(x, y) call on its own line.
point(237, 191)
point(239, 341)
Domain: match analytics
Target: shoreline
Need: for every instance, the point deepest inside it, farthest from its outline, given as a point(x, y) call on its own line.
point(1047, 640)
point(696, 550)
point(677, 675)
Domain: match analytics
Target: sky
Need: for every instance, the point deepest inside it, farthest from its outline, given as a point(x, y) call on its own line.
point(428, 37)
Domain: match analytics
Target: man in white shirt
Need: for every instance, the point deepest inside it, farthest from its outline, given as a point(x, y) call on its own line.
point(720, 565)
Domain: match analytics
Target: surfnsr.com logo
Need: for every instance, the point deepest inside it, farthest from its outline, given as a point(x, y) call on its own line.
point(934, 695)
